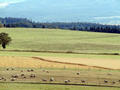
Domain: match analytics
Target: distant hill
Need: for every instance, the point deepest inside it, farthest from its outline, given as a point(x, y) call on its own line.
point(80, 26)
point(19, 22)
point(10, 20)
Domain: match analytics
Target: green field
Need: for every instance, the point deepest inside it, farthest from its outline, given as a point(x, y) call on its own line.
point(92, 77)
point(28, 43)
point(61, 55)
point(14, 86)
point(62, 40)
point(97, 45)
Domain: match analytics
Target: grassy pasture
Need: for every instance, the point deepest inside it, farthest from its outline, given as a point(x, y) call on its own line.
point(8, 86)
point(27, 62)
point(62, 40)
point(91, 77)
point(24, 59)
point(66, 41)
point(15, 86)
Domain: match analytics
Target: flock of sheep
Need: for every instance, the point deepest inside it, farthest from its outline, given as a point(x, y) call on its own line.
point(32, 75)
point(22, 75)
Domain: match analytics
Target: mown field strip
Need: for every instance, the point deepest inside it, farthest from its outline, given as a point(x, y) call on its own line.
point(26, 62)
point(57, 62)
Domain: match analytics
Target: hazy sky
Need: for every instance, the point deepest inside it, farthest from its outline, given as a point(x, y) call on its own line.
point(101, 11)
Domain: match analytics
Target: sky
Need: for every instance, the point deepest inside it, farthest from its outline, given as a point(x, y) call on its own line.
point(98, 11)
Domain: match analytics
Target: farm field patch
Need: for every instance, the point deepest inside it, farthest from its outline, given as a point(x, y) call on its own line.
point(78, 77)
point(62, 40)
point(47, 56)
point(11, 86)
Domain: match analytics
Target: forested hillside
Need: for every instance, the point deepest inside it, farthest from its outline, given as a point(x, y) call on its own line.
point(80, 26)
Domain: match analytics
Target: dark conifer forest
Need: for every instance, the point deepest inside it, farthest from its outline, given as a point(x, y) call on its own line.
point(10, 22)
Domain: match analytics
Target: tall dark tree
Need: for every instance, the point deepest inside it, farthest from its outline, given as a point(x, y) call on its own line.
point(4, 39)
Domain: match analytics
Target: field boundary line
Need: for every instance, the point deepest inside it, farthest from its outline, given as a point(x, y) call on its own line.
point(89, 85)
point(67, 52)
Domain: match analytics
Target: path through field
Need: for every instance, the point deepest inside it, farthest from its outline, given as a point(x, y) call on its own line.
point(97, 63)
point(55, 62)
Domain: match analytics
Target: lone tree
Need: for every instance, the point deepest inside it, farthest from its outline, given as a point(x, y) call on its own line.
point(4, 39)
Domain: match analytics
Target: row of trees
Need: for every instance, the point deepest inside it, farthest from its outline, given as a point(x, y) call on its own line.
point(23, 22)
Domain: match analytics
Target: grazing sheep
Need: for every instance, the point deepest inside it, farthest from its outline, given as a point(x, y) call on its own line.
point(28, 70)
point(113, 82)
point(14, 76)
point(13, 79)
point(32, 70)
point(105, 81)
point(51, 79)
point(83, 81)
point(44, 80)
point(22, 75)
point(21, 71)
point(12, 68)
point(66, 81)
point(47, 71)
point(43, 70)
point(69, 81)
point(109, 74)
point(32, 75)
point(78, 73)
point(4, 79)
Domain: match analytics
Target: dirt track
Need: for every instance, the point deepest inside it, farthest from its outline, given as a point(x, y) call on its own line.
point(91, 62)
point(53, 62)
point(26, 62)
point(68, 63)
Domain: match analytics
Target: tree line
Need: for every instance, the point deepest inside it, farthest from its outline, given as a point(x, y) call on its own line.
point(79, 26)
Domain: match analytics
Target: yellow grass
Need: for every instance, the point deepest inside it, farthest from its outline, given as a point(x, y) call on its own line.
point(107, 63)
point(26, 62)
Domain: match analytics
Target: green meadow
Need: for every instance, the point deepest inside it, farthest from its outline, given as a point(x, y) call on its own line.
point(15, 86)
point(29, 42)
point(62, 40)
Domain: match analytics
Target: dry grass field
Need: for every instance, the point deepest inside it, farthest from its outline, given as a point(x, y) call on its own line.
point(26, 62)
point(57, 62)
point(57, 76)
point(91, 62)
